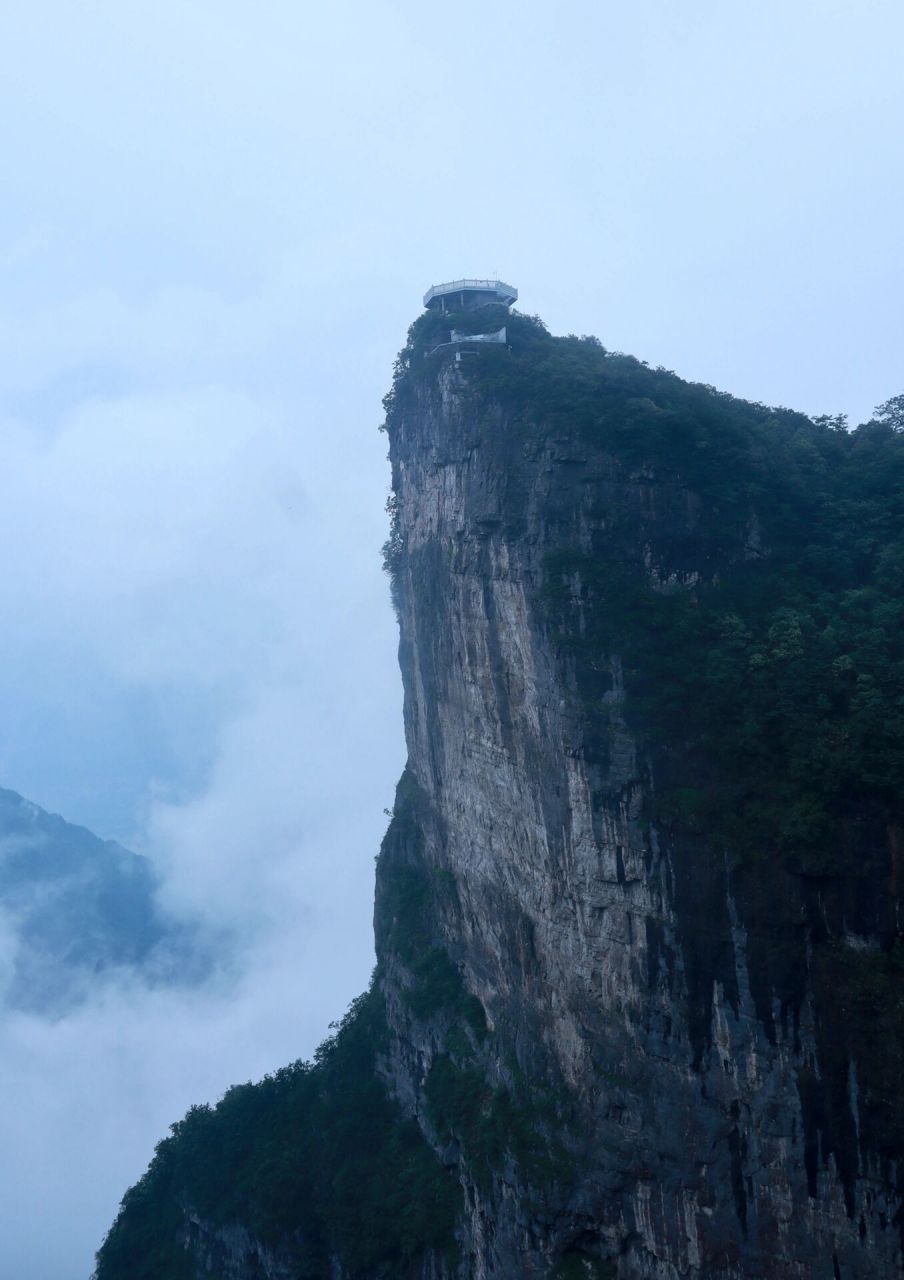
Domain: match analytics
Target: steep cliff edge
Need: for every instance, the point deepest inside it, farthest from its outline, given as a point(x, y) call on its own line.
point(638, 1005)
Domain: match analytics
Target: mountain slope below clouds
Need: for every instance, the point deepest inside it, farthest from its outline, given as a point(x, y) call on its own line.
point(75, 911)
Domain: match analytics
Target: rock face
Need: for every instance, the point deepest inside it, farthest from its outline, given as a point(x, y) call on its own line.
point(630, 968)
point(644, 1007)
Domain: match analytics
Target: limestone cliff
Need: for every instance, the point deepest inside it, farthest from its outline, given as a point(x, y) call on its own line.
point(644, 1007)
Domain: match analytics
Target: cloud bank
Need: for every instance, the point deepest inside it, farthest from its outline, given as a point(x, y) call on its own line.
point(198, 656)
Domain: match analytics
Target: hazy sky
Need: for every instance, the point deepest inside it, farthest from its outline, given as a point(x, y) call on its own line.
point(217, 221)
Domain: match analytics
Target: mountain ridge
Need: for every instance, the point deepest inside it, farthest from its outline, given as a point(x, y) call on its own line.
point(79, 910)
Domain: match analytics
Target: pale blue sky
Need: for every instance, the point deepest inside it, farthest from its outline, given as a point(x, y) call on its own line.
point(217, 222)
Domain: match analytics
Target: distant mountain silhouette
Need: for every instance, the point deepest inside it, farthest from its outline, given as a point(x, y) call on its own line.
point(75, 909)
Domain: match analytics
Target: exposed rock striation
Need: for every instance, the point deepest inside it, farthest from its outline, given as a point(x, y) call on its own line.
point(612, 957)
point(645, 1039)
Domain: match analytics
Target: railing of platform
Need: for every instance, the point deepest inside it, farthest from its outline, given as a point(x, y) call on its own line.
point(453, 286)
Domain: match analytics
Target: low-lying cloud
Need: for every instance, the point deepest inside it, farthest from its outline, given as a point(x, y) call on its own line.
point(197, 657)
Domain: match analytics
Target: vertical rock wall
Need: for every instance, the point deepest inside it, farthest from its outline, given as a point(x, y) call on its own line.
point(666, 999)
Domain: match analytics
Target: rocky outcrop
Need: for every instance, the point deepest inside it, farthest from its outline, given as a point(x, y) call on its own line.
point(627, 969)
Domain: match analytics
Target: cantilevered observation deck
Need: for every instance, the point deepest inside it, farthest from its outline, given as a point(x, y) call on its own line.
point(466, 295)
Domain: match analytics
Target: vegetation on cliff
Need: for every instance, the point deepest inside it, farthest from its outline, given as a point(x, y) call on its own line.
point(316, 1162)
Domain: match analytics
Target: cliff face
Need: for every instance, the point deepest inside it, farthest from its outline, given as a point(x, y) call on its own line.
point(638, 1005)
point(677, 999)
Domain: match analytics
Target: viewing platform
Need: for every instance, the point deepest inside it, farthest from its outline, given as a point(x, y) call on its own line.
point(466, 295)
